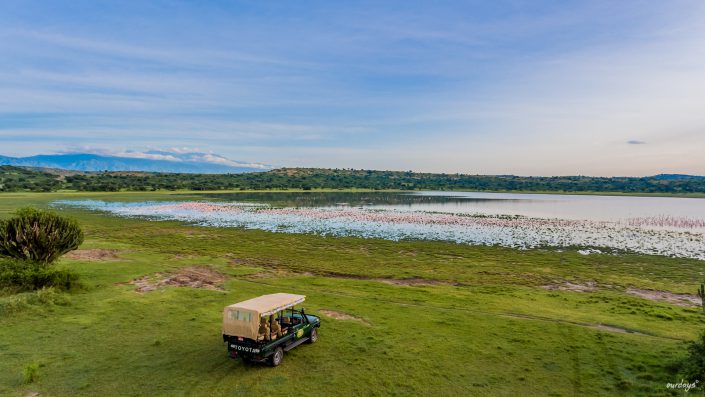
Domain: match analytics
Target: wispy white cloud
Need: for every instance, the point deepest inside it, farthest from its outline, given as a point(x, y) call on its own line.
point(132, 52)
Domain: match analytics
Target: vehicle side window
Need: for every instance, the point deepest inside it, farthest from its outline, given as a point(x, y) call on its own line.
point(241, 316)
point(295, 317)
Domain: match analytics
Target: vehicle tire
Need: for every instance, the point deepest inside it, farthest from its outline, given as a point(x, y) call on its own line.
point(313, 337)
point(276, 358)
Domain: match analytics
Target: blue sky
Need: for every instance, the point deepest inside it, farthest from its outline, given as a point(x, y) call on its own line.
point(530, 88)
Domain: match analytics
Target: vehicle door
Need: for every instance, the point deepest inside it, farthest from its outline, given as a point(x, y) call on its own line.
point(299, 322)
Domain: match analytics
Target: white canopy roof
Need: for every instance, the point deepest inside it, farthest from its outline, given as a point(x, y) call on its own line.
point(243, 318)
point(268, 304)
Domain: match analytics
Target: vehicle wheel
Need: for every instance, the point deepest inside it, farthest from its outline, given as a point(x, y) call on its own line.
point(277, 357)
point(313, 337)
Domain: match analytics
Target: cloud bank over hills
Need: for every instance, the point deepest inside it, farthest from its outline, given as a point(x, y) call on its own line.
point(183, 160)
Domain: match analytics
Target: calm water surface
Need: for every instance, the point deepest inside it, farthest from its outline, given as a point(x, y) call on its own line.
point(578, 207)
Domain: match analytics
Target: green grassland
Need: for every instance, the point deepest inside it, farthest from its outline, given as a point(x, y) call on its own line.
point(468, 320)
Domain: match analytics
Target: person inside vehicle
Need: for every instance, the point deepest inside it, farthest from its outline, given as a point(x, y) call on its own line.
point(276, 328)
point(284, 322)
point(264, 330)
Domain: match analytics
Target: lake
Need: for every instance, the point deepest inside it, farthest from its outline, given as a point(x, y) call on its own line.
point(651, 225)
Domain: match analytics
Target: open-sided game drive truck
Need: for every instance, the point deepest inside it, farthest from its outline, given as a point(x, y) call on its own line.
point(263, 328)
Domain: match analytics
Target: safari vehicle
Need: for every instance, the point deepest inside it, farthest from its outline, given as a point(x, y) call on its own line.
point(263, 328)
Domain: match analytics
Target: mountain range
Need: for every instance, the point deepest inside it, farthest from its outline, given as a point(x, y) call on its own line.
point(149, 161)
point(176, 161)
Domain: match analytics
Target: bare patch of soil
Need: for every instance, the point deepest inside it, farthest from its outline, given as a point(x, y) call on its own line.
point(95, 254)
point(589, 286)
point(341, 316)
point(687, 300)
point(193, 276)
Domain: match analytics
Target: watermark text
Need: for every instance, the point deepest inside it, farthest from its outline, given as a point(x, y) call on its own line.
point(683, 385)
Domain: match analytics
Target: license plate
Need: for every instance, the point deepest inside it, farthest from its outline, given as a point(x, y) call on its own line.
point(246, 349)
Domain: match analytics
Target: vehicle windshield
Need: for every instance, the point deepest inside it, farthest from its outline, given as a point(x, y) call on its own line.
point(291, 316)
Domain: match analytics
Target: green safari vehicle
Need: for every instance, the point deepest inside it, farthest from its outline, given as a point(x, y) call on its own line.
point(263, 328)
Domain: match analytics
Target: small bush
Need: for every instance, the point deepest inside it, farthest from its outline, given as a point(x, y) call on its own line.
point(29, 372)
point(38, 236)
point(693, 366)
point(27, 276)
point(45, 297)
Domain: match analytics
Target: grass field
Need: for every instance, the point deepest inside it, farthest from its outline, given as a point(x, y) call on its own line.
point(426, 318)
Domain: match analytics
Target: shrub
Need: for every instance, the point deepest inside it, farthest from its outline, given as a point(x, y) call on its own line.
point(29, 372)
point(693, 366)
point(38, 236)
point(21, 275)
point(45, 297)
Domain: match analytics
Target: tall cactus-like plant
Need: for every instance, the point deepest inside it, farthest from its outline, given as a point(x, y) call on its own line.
point(701, 294)
point(38, 236)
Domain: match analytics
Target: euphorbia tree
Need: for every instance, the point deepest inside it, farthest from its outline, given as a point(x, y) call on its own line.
point(38, 236)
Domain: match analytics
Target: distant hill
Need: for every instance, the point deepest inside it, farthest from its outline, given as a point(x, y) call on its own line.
point(152, 161)
point(669, 177)
point(34, 179)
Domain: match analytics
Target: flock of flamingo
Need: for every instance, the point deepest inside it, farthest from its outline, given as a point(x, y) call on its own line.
point(670, 236)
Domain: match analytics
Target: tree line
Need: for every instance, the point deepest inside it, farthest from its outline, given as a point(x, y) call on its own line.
point(15, 179)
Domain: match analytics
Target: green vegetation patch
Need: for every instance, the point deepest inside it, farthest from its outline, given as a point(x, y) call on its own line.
point(399, 318)
point(24, 276)
point(16, 179)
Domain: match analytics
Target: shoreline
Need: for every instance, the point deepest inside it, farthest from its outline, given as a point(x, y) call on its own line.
point(356, 190)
